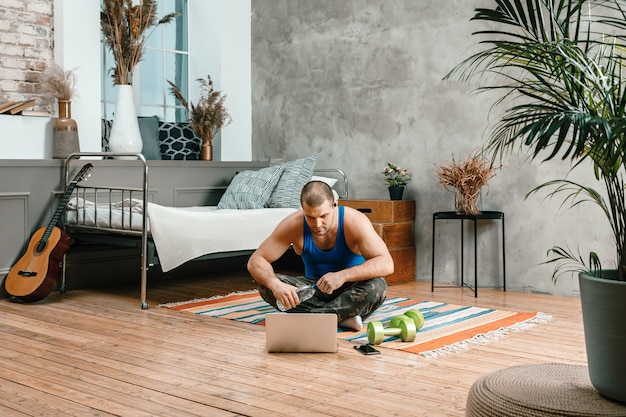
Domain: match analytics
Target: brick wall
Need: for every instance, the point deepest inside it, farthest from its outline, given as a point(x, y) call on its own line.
point(26, 45)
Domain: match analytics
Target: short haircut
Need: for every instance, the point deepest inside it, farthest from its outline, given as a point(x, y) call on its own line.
point(316, 193)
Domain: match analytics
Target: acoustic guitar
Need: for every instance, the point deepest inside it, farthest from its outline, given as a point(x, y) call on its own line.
point(33, 277)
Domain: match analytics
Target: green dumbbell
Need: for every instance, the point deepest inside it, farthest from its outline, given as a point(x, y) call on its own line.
point(413, 318)
point(417, 317)
point(412, 315)
point(376, 332)
point(395, 321)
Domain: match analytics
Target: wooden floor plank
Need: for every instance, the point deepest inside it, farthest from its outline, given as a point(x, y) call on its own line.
point(95, 352)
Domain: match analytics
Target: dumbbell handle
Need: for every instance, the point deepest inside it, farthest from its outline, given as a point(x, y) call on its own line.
point(392, 331)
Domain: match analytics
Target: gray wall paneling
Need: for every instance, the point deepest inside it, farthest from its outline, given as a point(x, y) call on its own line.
point(30, 191)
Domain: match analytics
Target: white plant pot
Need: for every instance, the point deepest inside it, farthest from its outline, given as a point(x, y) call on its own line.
point(125, 135)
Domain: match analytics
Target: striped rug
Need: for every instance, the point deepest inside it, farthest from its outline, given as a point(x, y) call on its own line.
point(447, 328)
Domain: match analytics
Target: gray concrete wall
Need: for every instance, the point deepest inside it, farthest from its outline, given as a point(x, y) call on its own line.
point(360, 84)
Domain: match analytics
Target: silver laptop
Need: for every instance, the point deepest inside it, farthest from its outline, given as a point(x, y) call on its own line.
point(301, 332)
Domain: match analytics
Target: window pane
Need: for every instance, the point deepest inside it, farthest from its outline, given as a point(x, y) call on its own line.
point(176, 31)
point(155, 37)
point(108, 64)
point(176, 114)
point(107, 113)
point(176, 71)
point(108, 110)
point(152, 111)
point(155, 34)
point(108, 90)
point(152, 89)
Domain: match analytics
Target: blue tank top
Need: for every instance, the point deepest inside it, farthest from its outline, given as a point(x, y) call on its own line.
point(318, 262)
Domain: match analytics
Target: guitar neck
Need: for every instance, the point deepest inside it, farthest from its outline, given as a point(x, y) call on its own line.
point(82, 174)
point(59, 210)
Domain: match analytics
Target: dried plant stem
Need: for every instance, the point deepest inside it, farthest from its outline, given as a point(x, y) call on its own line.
point(467, 177)
point(57, 83)
point(125, 26)
point(209, 114)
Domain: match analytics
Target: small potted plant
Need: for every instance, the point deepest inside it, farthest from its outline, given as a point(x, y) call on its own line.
point(396, 179)
point(467, 177)
point(207, 116)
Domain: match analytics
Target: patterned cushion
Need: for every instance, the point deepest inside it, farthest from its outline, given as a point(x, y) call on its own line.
point(178, 141)
point(251, 189)
point(105, 125)
point(295, 175)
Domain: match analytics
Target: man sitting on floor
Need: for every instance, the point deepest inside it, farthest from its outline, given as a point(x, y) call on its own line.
point(342, 254)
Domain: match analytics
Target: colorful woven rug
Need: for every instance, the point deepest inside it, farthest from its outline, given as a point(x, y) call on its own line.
point(447, 328)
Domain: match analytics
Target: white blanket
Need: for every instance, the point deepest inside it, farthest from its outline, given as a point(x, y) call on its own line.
point(184, 233)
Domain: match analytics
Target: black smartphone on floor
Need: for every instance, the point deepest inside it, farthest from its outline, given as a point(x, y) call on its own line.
point(367, 349)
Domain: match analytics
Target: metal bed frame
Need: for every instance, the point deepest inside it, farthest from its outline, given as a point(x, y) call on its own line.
point(119, 236)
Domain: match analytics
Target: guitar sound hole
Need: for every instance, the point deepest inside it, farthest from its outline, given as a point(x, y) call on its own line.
point(40, 246)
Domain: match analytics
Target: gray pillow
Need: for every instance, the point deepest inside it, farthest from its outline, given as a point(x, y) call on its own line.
point(251, 189)
point(149, 129)
point(295, 175)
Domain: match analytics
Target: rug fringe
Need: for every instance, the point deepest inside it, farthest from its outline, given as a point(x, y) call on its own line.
point(199, 300)
point(483, 339)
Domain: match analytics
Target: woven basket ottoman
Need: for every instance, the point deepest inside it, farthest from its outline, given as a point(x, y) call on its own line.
point(550, 389)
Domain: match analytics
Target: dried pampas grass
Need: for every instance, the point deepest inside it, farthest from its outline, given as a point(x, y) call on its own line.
point(467, 176)
point(57, 83)
point(209, 115)
point(124, 24)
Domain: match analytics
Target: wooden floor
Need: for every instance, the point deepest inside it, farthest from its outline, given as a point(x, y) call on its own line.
point(96, 353)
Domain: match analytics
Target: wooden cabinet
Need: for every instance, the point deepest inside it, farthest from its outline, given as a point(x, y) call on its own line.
point(393, 220)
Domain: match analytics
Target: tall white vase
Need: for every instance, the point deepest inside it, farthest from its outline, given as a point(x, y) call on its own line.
point(125, 135)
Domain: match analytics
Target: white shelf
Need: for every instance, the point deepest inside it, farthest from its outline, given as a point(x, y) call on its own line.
point(25, 137)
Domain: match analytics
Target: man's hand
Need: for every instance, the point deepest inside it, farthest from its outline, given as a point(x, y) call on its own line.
point(330, 282)
point(286, 294)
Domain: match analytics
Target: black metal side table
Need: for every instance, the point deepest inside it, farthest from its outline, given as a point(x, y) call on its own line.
point(485, 215)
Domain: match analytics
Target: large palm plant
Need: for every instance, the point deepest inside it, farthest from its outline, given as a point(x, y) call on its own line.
point(559, 65)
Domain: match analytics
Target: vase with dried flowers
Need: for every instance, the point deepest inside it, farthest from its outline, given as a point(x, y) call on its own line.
point(125, 25)
point(58, 84)
point(396, 178)
point(467, 177)
point(207, 116)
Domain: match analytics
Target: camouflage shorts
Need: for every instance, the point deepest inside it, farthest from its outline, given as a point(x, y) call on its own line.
point(353, 298)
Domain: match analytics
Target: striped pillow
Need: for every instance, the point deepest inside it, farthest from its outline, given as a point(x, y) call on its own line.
point(251, 189)
point(295, 175)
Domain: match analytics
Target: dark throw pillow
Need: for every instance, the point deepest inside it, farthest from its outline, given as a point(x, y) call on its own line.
point(178, 141)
